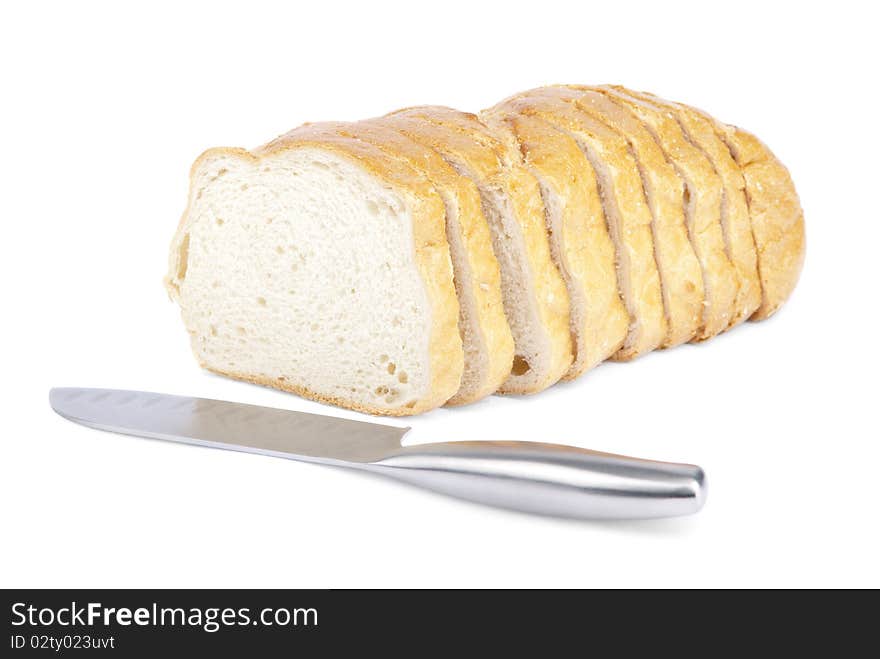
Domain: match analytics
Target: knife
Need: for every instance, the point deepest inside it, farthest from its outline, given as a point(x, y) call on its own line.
point(547, 479)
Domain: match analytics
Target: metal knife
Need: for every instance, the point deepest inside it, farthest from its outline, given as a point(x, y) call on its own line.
point(548, 479)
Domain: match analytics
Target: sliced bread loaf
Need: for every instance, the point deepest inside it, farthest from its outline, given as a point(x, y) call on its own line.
point(626, 211)
point(534, 295)
point(433, 256)
point(776, 216)
point(318, 265)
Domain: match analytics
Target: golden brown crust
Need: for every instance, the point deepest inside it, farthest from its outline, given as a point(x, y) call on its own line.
point(448, 130)
point(431, 254)
point(680, 274)
point(703, 191)
point(490, 359)
point(622, 191)
point(735, 221)
point(776, 215)
point(584, 252)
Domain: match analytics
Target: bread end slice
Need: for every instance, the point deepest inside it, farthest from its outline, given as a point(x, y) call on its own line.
point(776, 215)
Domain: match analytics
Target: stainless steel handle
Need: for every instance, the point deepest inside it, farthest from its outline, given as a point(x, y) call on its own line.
point(550, 479)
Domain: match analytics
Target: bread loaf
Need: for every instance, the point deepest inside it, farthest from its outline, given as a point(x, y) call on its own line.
point(433, 256)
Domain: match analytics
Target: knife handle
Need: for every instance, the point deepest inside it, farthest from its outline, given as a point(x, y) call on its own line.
point(550, 479)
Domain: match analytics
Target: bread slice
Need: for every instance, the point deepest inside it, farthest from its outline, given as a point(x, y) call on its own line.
point(624, 206)
point(256, 268)
point(702, 208)
point(486, 337)
point(534, 295)
point(680, 273)
point(776, 216)
point(735, 223)
point(579, 239)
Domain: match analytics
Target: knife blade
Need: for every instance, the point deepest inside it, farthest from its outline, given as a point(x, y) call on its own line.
point(534, 477)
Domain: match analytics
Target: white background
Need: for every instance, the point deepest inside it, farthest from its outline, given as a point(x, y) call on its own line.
point(105, 107)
